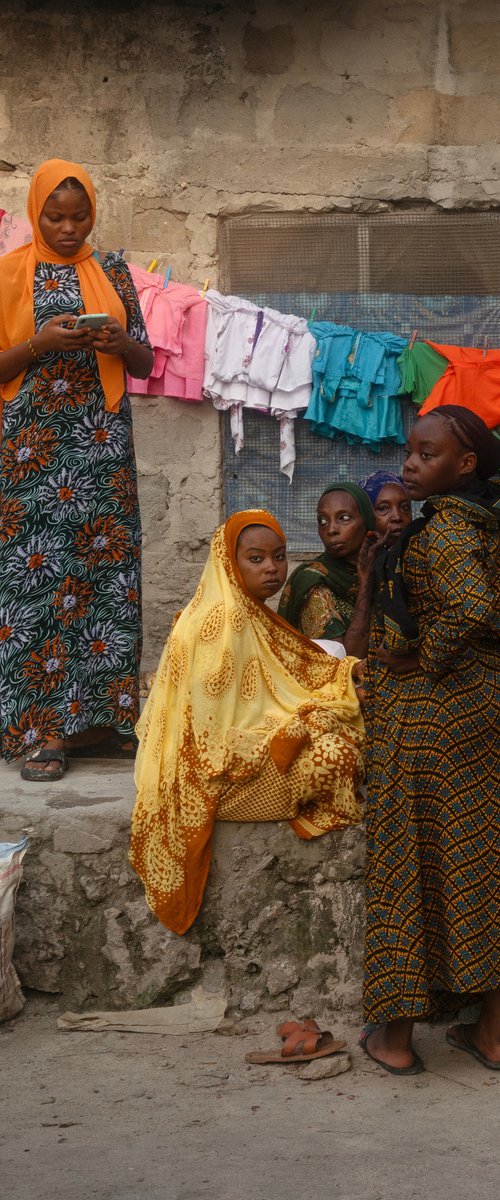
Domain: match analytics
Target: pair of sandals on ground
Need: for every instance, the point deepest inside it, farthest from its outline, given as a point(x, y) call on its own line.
point(303, 1041)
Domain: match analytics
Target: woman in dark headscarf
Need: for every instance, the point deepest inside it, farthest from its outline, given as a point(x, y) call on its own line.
point(330, 597)
point(390, 503)
point(433, 714)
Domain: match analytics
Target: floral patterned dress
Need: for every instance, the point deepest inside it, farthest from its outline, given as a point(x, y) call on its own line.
point(70, 538)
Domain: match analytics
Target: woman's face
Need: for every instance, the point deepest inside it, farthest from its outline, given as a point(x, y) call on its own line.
point(436, 462)
point(66, 220)
point(261, 561)
point(340, 525)
point(392, 510)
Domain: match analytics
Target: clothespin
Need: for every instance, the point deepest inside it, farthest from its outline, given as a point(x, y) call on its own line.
point(121, 252)
point(152, 265)
point(206, 286)
point(167, 276)
point(485, 345)
point(413, 339)
point(312, 314)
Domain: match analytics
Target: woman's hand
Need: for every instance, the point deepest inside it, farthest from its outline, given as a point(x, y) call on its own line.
point(397, 664)
point(370, 547)
point(112, 338)
point(55, 335)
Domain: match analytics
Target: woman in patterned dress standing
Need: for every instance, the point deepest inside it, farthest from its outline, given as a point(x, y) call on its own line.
point(433, 874)
point(70, 537)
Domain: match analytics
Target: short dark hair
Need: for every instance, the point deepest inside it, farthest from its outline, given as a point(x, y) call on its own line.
point(70, 184)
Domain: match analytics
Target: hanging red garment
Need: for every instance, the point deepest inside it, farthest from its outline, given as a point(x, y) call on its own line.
point(472, 379)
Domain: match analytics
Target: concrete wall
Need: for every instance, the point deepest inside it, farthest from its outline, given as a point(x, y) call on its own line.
point(186, 112)
point(281, 926)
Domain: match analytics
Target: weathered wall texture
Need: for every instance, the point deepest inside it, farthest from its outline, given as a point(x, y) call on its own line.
point(281, 924)
point(186, 112)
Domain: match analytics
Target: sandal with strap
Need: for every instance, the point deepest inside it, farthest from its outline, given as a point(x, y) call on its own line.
point(287, 1027)
point(36, 774)
point(457, 1036)
point(302, 1041)
point(416, 1067)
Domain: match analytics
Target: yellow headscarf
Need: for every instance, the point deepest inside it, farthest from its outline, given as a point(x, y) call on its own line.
point(17, 273)
point(232, 680)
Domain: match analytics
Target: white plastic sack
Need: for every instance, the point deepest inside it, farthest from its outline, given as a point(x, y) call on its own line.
point(11, 857)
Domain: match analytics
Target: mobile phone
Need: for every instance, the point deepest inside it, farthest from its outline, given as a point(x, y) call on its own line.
point(91, 321)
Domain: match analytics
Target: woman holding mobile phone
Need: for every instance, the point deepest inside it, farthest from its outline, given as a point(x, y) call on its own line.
point(70, 538)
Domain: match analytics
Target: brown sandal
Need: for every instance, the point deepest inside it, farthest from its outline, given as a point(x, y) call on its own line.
point(302, 1041)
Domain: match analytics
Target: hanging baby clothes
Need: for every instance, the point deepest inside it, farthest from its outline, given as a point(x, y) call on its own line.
point(175, 318)
point(14, 232)
point(258, 359)
point(471, 378)
point(356, 385)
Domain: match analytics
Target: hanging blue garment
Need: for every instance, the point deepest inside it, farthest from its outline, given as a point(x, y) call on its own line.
point(356, 384)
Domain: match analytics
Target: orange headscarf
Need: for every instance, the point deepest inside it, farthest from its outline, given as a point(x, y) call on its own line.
point(240, 521)
point(17, 273)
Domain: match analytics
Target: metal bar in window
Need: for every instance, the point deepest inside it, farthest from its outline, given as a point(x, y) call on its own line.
point(364, 256)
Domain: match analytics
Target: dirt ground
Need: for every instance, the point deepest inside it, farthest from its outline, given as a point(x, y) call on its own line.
point(143, 1117)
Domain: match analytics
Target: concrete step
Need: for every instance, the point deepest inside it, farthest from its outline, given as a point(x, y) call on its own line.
point(281, 923)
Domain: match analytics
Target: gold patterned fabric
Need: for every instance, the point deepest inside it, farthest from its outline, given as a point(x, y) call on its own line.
point(320, 608)
point(247, 720)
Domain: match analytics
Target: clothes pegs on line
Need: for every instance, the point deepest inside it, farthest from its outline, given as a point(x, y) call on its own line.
point(168, 273)
point(485, 345)
point(152, 265)
point(413, 339)
point(312, 314)
point(206, 286)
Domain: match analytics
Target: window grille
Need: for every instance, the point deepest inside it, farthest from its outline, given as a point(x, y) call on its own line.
point(432, 271)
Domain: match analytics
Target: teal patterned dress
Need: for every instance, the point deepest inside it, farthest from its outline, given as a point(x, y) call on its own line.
point(70, 538)
point(433, 874)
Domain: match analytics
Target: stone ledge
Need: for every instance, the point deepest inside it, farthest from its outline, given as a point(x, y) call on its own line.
point(281, 925)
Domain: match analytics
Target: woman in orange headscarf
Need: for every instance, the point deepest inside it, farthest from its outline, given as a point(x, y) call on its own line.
point(247, 720)
point(69, 519)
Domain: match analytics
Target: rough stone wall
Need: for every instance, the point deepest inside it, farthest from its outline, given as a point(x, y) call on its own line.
point(187, 112)
point(281, 924)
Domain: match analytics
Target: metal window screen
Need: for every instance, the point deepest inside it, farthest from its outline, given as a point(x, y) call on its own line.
point(435, 272)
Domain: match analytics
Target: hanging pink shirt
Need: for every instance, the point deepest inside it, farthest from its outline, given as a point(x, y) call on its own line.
point(175, 318)
point(14, 232)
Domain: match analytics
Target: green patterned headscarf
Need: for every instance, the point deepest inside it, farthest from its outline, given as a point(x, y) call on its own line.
point(362, 500)
point(335, 573)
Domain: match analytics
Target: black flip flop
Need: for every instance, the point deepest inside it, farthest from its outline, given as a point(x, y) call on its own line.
point(417, 1065)
point(34, 774)
point(463, 1043)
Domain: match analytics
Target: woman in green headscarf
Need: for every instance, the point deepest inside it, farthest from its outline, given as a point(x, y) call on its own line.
point(331, 597)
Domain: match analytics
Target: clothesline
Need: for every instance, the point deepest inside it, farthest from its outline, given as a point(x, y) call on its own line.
point(347, 383)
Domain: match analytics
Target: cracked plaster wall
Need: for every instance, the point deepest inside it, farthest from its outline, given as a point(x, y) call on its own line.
point(186, 112)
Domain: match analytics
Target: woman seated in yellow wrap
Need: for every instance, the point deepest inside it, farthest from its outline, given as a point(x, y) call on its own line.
point(247, 720)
